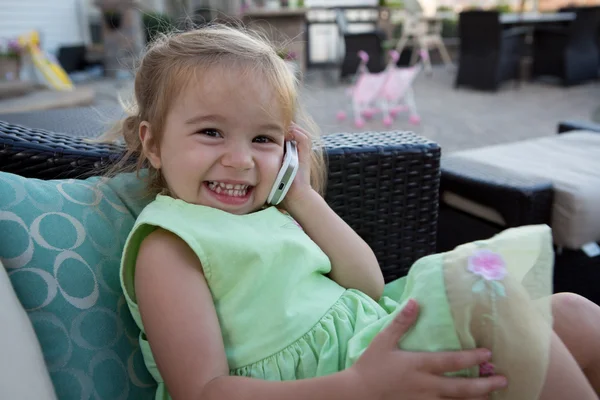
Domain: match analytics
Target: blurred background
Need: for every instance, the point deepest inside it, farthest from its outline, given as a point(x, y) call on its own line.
point(464, 73)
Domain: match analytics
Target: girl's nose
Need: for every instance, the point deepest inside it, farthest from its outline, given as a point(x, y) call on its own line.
point(238, 157)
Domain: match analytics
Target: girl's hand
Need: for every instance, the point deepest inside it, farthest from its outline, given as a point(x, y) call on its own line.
point(386, 372)
point(301, 185)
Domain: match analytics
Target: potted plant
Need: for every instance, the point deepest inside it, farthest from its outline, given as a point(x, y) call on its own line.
point(10, 55)
point(156, 23)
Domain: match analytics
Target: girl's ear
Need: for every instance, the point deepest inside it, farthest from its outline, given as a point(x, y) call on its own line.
point(149, 144)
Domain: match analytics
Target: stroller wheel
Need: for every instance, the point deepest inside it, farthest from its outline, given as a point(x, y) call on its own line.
point(340, 116)
point(387, 120)
point(369, 113)
point(414, 119)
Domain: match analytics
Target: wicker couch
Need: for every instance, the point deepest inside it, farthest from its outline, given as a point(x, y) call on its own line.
point(62, 230)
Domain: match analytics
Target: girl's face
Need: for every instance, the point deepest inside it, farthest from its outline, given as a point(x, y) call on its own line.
point(222, 144)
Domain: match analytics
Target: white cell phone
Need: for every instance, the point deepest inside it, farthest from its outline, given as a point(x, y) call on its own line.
point(286, 174)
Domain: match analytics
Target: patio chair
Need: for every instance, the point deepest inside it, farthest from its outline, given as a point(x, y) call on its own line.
point(423, 34)
point(569, 53)
point(489, 54)
point(352, 42)
point(549, 180)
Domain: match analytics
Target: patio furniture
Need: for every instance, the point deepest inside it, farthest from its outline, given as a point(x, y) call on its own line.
point(424, 34)
point(570, 52)
point(88, 122)
point(549, 180)
point(536, 18)
point(370, 42)
point(72, 58)
point(70, 232)
point(489, 54)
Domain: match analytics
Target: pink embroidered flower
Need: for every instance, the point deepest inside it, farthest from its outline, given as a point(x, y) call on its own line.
point(486, 369)
point(487, 264)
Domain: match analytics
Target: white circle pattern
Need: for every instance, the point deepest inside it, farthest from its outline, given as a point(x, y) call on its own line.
point(79, 302)
point(56, 362)
point(109, 355)
point(103, 265)
point(51, 285)
point(37, 236)
point(122, 311)
point(48, 203)
point(24, 258)
point(97, 193)
point(19, 189)
point(82, 342)
point(85, 382)
point(105, 182)
point(114, 246)
point(133, 375)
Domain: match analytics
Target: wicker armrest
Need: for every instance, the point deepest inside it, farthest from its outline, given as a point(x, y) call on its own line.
point(38, 153)
point(519, 198)
point(567, 126)
point(384, 185)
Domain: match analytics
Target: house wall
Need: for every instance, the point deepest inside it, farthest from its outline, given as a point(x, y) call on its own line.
point(59, 22)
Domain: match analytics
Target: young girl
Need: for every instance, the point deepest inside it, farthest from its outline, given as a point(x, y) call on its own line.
point(237, 299)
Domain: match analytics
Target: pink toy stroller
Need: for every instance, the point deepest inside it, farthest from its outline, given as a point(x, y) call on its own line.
point(388, 92)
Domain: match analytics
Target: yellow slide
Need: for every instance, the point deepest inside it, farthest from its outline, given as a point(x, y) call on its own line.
point(53, 74)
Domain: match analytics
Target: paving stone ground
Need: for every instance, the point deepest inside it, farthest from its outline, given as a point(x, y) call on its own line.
point(457, 119)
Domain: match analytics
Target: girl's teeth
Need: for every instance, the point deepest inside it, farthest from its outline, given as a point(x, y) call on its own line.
point(228, 189)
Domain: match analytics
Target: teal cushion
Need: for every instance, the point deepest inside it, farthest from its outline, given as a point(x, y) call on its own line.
point(61, 243)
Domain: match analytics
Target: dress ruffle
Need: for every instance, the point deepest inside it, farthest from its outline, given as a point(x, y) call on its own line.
point(322, 350)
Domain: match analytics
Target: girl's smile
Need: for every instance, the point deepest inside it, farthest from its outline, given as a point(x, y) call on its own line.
point(230, 193)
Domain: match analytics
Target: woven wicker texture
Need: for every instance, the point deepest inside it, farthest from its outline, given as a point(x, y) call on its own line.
point(384, 185)
point(76, 121)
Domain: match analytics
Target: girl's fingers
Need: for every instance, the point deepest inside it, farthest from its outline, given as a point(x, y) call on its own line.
point(452, 361)
point(298, 134)
point(464, 388)
point(302, 140)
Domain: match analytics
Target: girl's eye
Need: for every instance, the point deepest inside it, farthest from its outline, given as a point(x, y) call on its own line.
point(210, 132)
point(263, 139)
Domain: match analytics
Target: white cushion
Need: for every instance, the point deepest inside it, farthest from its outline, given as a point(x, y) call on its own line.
point(23, 373)
point(571, 162)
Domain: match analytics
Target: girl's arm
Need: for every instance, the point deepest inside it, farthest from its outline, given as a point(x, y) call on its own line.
point(353, 263)
point(183, 331)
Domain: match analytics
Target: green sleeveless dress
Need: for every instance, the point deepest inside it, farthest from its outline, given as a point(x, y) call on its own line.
point(282, 318)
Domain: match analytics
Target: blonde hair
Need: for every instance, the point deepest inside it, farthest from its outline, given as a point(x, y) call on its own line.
point(171, 60)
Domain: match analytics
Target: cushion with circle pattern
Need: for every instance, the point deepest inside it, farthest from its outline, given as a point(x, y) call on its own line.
point(61, 243)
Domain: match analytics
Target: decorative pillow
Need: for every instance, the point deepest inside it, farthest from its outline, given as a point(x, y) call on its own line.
point(61, 243)
point(23, 374)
